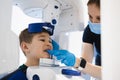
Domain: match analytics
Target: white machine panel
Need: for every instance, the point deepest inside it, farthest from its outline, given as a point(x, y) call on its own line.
point(50, 73)
point(68, 14)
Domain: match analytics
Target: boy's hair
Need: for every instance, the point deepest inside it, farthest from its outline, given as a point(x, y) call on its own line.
point(97, 2)
point(27, 37)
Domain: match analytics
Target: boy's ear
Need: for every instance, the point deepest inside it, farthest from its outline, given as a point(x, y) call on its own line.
point(25, 47)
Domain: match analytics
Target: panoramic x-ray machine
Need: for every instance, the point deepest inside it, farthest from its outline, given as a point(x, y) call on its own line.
point(65, 15)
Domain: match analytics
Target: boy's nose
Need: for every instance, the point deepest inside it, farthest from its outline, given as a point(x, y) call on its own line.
point(49, 45)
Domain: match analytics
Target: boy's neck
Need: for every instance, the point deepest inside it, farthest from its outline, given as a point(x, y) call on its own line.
point(32, 63)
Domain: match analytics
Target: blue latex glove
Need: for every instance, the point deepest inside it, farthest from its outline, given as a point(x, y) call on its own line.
point(55, 45)
point(66, 57)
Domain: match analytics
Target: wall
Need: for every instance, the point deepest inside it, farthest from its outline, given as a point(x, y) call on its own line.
point(110, 15)
point(8, 40)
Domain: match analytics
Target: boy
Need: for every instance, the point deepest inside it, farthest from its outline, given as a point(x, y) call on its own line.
point(34, 41)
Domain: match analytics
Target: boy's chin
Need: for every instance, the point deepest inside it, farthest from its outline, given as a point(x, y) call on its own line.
point(47, 57)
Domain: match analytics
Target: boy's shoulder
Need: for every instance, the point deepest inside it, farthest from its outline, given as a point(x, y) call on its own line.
point(19, 74)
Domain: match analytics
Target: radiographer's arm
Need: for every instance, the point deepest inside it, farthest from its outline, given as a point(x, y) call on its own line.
point(81, 64)
point(69, 59)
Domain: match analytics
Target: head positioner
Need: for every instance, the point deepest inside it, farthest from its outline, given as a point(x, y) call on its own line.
point(38, 27)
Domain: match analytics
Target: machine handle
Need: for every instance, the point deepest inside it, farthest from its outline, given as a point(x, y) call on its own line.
point(71, 72)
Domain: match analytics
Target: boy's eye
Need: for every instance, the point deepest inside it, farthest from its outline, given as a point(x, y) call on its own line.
point(42, 40)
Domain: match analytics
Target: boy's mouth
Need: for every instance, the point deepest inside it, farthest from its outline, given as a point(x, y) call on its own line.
point(51, 57)
point(45, 50)
point(48, 53)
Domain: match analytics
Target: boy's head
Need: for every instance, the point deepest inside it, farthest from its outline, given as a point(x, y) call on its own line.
point(33, 29)
point(35, 40)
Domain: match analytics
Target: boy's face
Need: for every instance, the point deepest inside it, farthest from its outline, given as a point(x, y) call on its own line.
point(37, 48)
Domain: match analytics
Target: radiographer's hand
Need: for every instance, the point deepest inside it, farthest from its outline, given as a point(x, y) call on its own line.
point(55, 45)
point(66, 57)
